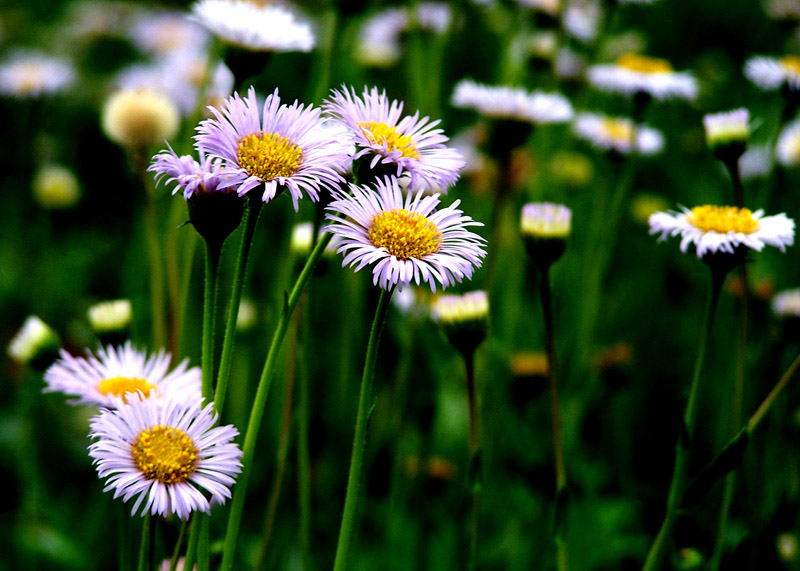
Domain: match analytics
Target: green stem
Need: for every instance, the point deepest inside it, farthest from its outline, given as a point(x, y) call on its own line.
point(188, 256)
point(758, 416)
point(176, 553)
point(209, 312)
point(303, 449)
point(144, 546)
point(154, 254)
point(359, 441)
point(321, 67)
point(177, 210)
point(476, 468)
point(251, 436)
point(250, 222)
point(555, 412)
point(680, 473)
point(124, 560)
point(203, 543)
point(191, 548)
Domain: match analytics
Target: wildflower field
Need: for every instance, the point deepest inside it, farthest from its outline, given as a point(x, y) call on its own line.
point(480, 284)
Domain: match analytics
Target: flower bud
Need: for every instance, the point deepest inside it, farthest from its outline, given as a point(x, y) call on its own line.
point(36, 344)
point(545, 228)
point(56, 187)
point(464, 319)
point(139, 118)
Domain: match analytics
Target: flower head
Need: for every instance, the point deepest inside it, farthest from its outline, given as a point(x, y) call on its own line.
point(723, 229)
point(404, 236)
point(787, 150)
point(139, 118)
point(34, 339)
point(464, 319)
point(271, 150)
point(515, 103)
point(166, 452)
point(727, 128)
point(617, 134)
point(634, 73)
point(165, 33)
point(254, 26)
point(191, 176)
point(56, 187)
point(545, 228)
point(770, 73)
point(404, 144)
point(786, 304)
point(30, 74)
point(114, 373)
point(110, 316)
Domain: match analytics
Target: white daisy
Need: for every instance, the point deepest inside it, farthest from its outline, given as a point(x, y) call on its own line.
point(166, 454)
point(787, 150)
point(727, 127)
point(516, 103)
point(165, 33)
point(459, 309)
point(770, 73)
point(715, 229)
point(404, 236)
point(787, 304)
point(617, 134)
point(634, 73)
point(254, 26)
point(34, 337)
point(30, 74)
point(546, 220)
point(581, 19)
point(114, 372)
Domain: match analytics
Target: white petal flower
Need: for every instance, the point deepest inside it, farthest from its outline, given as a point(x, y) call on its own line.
point(618, 134)
point(771, 73)
point(787, 151)
point(727, 127)
point(30, 74)
point(500, 102)
point(633, 73)
point(787, 304)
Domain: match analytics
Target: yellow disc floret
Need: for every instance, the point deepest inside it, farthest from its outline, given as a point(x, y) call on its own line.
point(791, 64)
point(383, 134)
point(121, 386)
point(269, 156)
point(404, 234)
point(644, 64)
point(165, 453)
point(618, 130)
point(723, 219)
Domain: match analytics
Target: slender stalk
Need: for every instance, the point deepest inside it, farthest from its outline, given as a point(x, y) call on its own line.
point(257, 411)
point(209, 313)
point(144, 546)
point(177, 210)
point(176, 553)
point(680, 473)
point(251, 214)
point(188, 256)
point(154, 254)
point(303, 448)
point(191, 548)
point(124, 559)
point(474, 460)
point(364, 401)
point(203, 543)
point(555, 412)
point(762, 410)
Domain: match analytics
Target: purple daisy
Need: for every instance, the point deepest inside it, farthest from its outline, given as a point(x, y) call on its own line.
point(193, 177)
point(277, 148)
point(413, 145)
point(404, 236)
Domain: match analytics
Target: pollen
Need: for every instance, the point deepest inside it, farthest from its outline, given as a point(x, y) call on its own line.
point(791, 64)
point(121, 386)
point(384, 135)
point(269, 156)
point(723, 219)
point(644, 64)
point(404, 234)
point(618, 130)
point(165, 453)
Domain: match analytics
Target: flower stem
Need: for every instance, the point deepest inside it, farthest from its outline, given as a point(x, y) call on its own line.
point(758, 416)
point(257, 411)
point(176, 553)
point(209, 312)
point(191, 547)
point(144, 546)
point(250, 221)
point(303, 450)
point(555, 412)
point(680, 473)
point(364, 401)
point(124, 560)
point(475, 463)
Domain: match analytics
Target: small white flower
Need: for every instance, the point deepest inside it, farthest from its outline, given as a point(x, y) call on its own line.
point(787, 304)
point(110, 315)
point(165, 33)
point(755, 162)
point(617, 134)
point(30, 74)
point(727, 127)
point(254, 26)
point(500, 102)
point(458, 309)
point(787, 151)
point(633, 73)
point(33, 336)
point(715, 229)
point(771, 73)
point(581, 20)
point(546, 220)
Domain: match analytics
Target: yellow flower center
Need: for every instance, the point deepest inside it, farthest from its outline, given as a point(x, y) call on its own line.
point(383, 134)
point(618, 130)
point(30, 78)
point(723, 219)
point(791, 64)
point(121, 386)
point(269, 156)
point(644, 64)
point(165, 453)
point(404, 234)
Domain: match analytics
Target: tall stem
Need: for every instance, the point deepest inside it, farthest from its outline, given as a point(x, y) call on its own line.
point(555, 412)
point(144, 546)
point(250, 221)
point(176, 553)
point(209, 313)
point(475, 463)
point(303, 449)
point(257, 411)
point(762, 410)
point(680, 473)
point(154, 254)
point(364, 398)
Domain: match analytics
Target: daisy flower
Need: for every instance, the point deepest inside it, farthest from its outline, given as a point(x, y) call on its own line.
point(727, 127)
point(33, 339)
point(724, 229)
point(787, 150)
point(515, 103)
point(404, 236)
point(30, 74)
point(114, 372)
point(581, 20)
point(463, 318)
point(404, 144)
point(617, 134)
point(191, 176)
point(770, 73)
point(165, 33)
point(546, 220)
point(56, 187)
point(106, 316)
point(786, 304)
point(254, 26)
point(166, 454)
point(271, 150)
point(634, 73)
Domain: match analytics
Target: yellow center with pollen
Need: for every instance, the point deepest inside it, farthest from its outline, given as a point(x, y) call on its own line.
point(269, 156)
point(382, 134)
point(165, 453)
point(121, 386)
point(723, 219)
point(791, 64)
point(618, 130)
point(404, 234)
point(644, 64)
